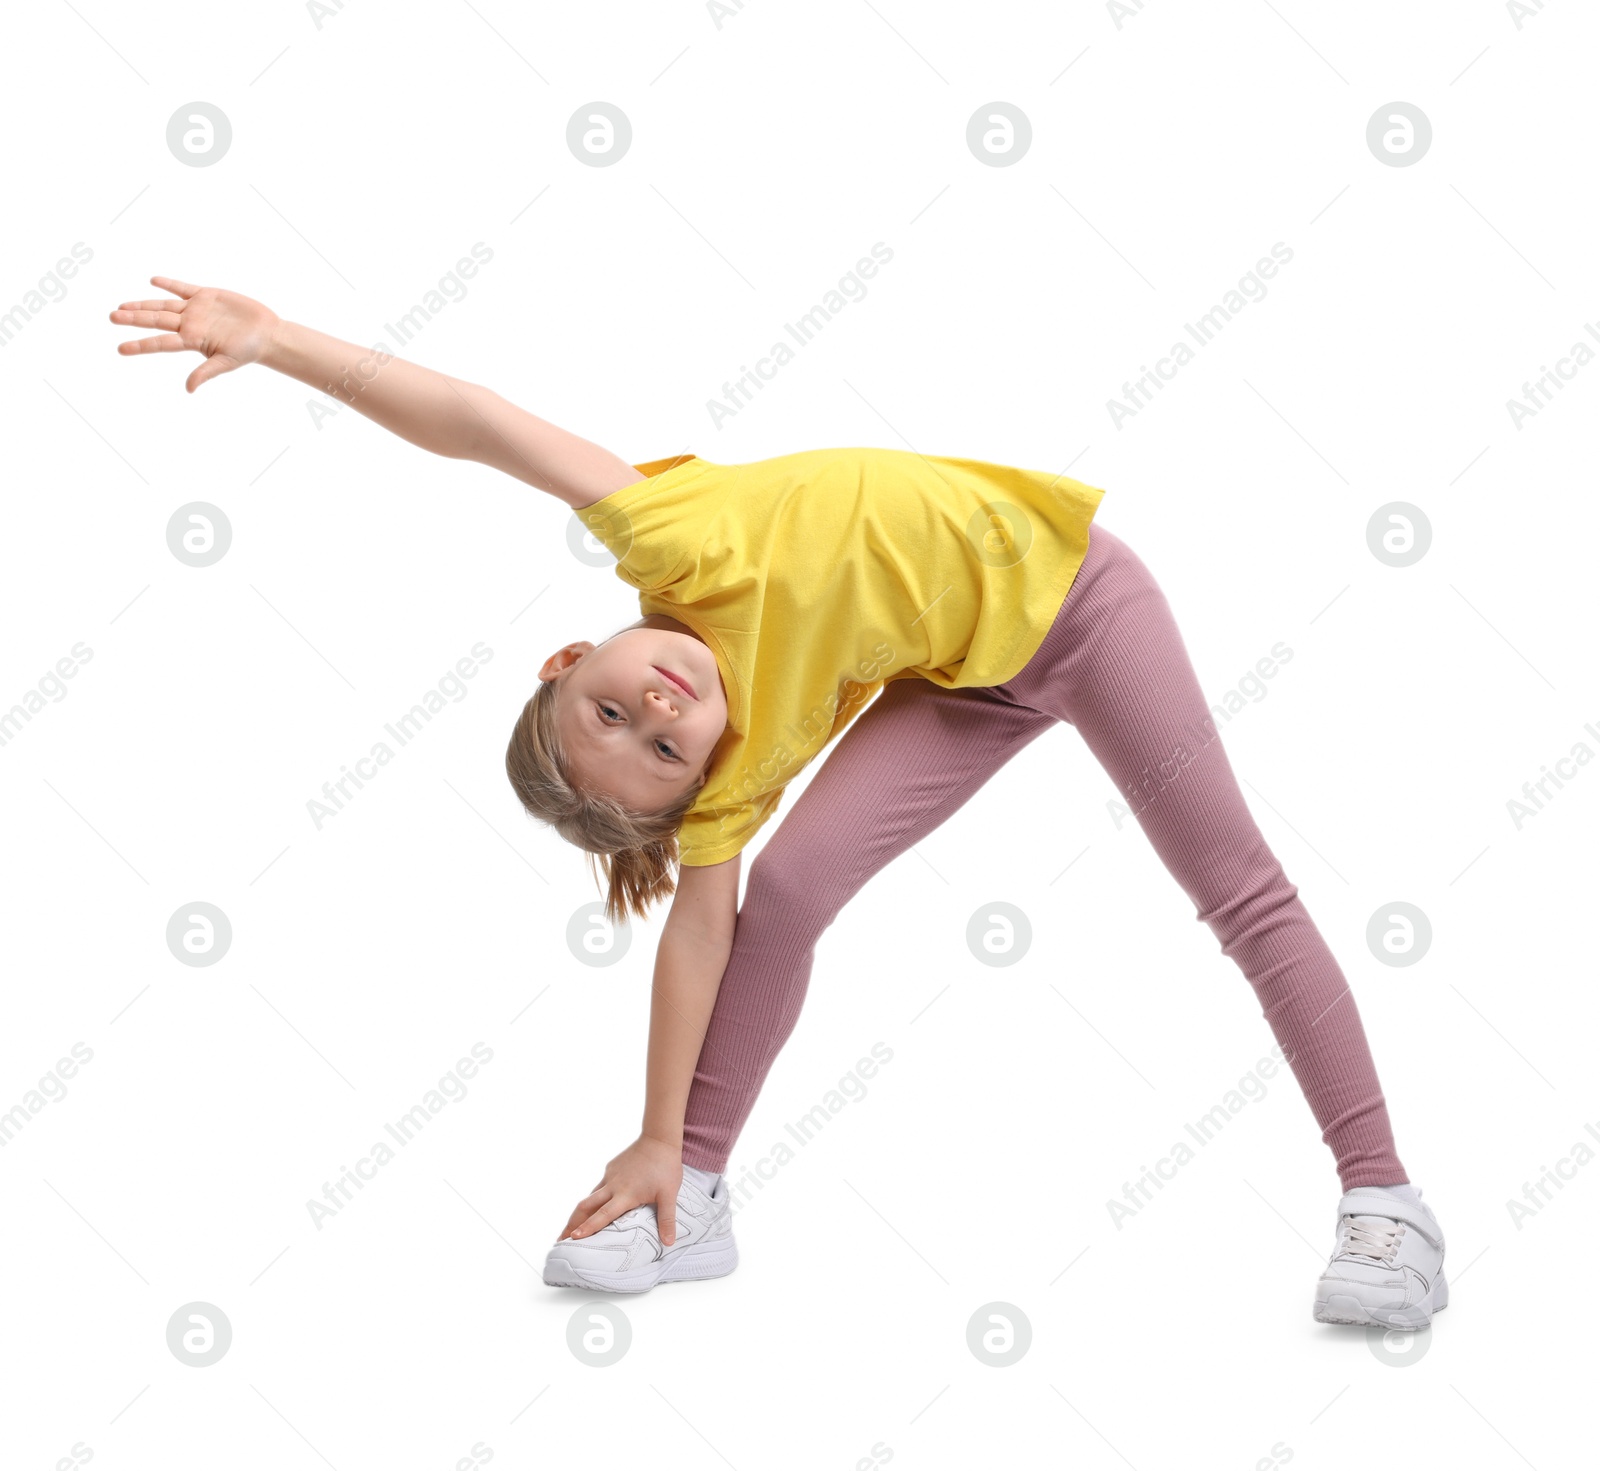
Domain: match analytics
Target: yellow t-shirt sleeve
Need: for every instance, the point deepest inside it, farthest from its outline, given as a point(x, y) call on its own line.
point(717, 834)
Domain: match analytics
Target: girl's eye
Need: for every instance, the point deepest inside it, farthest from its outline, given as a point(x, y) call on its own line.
point(661, 746)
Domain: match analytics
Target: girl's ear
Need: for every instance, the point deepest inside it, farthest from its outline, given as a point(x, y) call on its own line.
point(563, 658)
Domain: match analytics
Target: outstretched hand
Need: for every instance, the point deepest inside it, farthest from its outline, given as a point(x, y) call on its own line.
point(647, 1172)
point(229, 329)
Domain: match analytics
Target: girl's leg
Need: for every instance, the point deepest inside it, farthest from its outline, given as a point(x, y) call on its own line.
point(1115, 666)
point(909, 760)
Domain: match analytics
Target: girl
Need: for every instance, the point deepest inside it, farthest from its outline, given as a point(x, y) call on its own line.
point(980, 604)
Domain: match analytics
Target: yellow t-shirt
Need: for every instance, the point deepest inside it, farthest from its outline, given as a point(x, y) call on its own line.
point(816, 577)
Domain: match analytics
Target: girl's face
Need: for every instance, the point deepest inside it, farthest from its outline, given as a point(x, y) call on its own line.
point(629, 726)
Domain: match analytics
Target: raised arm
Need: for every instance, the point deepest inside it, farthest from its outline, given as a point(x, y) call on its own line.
point(690, 959)
point(444, 415)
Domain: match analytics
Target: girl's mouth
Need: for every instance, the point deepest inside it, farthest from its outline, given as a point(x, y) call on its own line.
point(678, 680)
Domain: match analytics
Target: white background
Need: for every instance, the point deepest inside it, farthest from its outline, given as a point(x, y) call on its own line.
point(1169, 154)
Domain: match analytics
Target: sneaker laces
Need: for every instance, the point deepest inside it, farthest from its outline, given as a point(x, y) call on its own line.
point(1375, 1237)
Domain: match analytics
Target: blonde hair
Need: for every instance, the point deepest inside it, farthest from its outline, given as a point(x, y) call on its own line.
point(637, 851)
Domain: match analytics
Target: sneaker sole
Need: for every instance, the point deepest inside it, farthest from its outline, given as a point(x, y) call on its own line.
point(1344, 1309)
point(693, 1264)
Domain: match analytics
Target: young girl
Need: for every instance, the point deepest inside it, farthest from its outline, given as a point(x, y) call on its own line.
point(980, 606)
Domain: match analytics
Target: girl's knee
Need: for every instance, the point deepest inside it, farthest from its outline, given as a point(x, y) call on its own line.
point(792, 885)
point(1256, 898)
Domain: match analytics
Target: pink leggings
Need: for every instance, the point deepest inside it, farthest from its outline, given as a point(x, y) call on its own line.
point(1113, 664)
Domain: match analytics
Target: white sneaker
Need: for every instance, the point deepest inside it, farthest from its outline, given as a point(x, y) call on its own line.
point(627, 1255)
point(1387, 1269)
